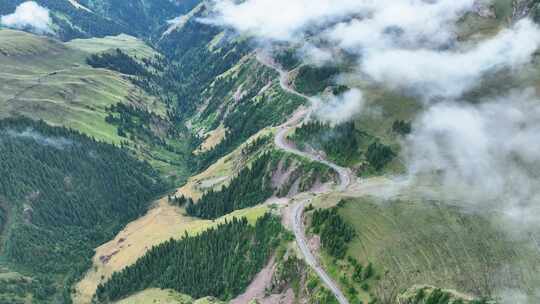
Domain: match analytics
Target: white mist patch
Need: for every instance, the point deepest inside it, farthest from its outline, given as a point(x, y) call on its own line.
point(339, 109)
point(485, 155)
point(268, 19)
point(282, 20)
point(56, 142)
point(316, 56)
point(449, 74)
point(29, 15)
point(401, 44)
point(401, 24)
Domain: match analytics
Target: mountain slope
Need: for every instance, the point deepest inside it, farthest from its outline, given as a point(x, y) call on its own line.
point(45, 79)
point(62, 194)
point(99, 18)
point(197, 98)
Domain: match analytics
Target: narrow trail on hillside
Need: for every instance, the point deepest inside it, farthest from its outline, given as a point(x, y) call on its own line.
point(344, 175)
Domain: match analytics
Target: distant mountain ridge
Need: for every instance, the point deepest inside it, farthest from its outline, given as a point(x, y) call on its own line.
point(99, 18)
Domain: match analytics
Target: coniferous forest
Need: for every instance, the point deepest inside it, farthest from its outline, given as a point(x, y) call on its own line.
point(220, 262)
point(346, 145)
point(117, 61)
point(341, 143)
point(250, 187)
point(61, 195)
point(334, 231)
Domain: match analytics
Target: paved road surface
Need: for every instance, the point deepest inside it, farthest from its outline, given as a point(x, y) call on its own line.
point(298, 209)
point(298, 227)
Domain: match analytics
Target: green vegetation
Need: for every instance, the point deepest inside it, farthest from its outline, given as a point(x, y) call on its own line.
point(66, 193)
point(193, 65)
point(432, 295)
point(292, 272)
point(335, 233)
point(379, 155)
point(43, 79)
point(402, 127)
point(165, 296)
point(146, 108)
point(106, 17)
point(251, 186)
point(62, 194)
point(312, 80)
point(166, 145)
point(413, 242)
point(256, 145)
point(220, 262)
point(340, 143)
point(503, 9)
point(245, 99)
point(345, 145)
point(118, 61)
point(128, 44)
point(287, 58)
point(254, 184)
point(302, 174)
point(71, 22)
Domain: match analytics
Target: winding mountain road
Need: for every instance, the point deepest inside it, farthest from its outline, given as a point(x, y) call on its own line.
point(344, 175)
point(298, 209)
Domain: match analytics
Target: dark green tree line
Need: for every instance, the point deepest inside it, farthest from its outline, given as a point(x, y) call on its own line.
point(65, 194)
point(220, 262)
point(117, 61)
point(334, 231)
point(341, 143)
point(250, 187)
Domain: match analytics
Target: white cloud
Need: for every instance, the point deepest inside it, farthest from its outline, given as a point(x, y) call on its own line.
point(405, 24)
point(29, 133)
point(316, 56)
point(268, 19)
point(339, 109)
point(29, 15)
point(449, 74)
point(485, 155)
point(404, 44)
point(281, 19)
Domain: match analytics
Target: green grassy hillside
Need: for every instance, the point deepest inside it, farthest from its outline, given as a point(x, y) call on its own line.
point(44, 79)
point(426, 242)
point(220, 85)
point(62, 194)
point(203, 87)
point(164, 296)
point(129, 44)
